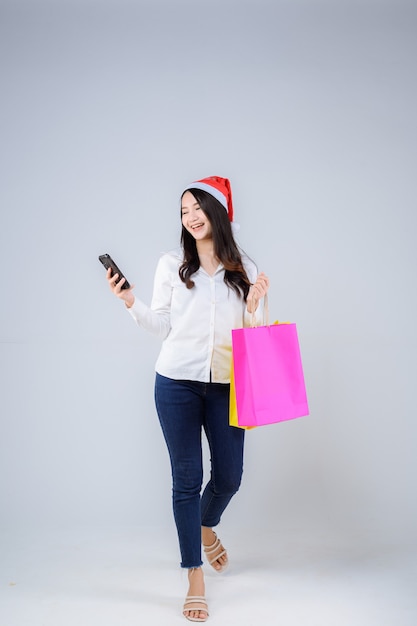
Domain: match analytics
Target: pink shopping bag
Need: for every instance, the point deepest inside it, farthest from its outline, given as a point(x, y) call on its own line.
point(268, 375)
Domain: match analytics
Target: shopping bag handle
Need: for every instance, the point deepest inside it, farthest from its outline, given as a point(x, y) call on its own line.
point(265, 318)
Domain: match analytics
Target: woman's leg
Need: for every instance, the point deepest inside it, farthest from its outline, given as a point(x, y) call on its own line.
point(226, 445)
point(180, 407)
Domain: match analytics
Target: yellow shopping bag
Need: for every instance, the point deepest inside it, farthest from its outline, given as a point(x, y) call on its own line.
point(233, 421)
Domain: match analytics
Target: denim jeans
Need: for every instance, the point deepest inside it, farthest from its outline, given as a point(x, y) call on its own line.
point(185, 408)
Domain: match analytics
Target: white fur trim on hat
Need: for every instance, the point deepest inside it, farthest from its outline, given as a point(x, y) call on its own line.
point(211, 190)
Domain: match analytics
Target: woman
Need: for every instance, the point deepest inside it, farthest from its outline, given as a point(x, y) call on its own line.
point(201, 292)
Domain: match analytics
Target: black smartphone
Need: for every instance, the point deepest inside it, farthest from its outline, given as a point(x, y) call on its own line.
point(108, 262)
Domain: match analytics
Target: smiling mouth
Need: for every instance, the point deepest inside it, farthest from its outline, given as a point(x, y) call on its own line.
point(197, 226)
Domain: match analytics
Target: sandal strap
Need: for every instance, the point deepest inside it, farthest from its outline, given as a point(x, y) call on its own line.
point(201, 603)
point(196, 600)
point(214, 546)
point(217, 557)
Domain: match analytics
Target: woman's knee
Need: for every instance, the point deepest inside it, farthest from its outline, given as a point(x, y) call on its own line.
point(228, 485)
point(186, 480)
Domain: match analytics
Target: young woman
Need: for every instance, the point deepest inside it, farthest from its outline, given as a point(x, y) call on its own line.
point(201, 292)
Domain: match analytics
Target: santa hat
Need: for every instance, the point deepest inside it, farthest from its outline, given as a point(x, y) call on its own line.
point(219, 188)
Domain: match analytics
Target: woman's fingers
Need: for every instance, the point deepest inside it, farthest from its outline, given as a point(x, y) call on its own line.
point(113, 280)
point(261, 286)
point(115, 284)
point(116, 287)
point(263, 282)
point(118, 284)
point(257, 291)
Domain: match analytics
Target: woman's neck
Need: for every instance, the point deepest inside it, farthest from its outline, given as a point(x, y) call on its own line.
point(208, 260)
point(205, 248)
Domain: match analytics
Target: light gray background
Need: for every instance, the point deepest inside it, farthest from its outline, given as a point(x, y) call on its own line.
point(108, 110)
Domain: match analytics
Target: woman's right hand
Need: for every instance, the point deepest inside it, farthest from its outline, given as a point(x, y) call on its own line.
point(116, 287)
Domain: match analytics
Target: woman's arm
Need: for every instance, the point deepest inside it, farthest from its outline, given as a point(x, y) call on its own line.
point(155, 319)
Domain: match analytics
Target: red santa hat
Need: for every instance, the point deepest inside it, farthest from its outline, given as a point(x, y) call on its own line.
point(219, 188)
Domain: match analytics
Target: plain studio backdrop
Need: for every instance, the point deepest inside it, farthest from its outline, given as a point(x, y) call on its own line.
point(108, 109)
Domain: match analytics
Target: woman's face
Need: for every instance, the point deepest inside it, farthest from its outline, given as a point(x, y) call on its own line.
point(194, 219)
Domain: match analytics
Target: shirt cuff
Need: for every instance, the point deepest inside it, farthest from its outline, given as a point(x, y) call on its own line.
point(138, 310)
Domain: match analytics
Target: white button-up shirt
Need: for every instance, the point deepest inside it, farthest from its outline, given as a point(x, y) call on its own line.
point(194, 324)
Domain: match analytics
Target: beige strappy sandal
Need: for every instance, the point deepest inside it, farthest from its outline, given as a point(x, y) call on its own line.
point(209, 550)
point(201, 603)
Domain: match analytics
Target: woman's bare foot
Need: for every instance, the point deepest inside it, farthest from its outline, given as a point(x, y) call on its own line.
point(215, 552)
point(196, 588)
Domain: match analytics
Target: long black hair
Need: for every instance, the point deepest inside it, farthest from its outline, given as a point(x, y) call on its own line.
point(225, 247)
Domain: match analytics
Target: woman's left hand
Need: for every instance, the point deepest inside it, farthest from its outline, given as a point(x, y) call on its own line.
point(257, 291)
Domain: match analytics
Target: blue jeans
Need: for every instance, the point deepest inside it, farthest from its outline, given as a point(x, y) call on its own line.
point(185, 407)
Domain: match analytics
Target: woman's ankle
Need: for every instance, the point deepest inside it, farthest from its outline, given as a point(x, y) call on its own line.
point(196, 581)
point(208, 536)
point(195, 572)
